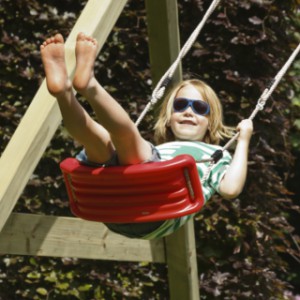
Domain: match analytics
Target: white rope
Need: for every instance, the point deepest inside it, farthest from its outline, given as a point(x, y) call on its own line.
point(261, 102)
point(160, 88)
point(206, 174)
point(260, 106)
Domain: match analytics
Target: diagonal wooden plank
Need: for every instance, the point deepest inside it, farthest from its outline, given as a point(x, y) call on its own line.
point(42, 118)
point(27, 234)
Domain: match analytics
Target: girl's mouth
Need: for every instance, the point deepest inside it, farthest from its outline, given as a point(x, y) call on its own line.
point(187, 122)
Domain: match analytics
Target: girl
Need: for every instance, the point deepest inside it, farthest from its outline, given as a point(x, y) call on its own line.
point(191, 116)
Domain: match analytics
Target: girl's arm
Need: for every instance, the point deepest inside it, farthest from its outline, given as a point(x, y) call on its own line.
point(233, 182)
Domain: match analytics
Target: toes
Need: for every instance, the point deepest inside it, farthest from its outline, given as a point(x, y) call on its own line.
point(89, 39)
point(43, 45)
point(58, 38)
point(48, 41)
point(81, 36)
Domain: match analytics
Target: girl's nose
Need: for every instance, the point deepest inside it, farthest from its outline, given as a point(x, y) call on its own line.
point(188, 111)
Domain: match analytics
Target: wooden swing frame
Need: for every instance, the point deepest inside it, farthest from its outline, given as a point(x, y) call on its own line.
point(28, 234)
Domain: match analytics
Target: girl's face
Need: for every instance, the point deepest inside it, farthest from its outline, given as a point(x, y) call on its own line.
point(187, 125)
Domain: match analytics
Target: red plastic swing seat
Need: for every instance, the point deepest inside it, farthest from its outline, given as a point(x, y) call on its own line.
point(137, 193)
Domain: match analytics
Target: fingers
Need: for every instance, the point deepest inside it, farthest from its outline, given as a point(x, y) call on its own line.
point(246, 124)
point(245, 128)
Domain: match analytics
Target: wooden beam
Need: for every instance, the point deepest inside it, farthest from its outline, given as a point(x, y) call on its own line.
point(42, 118)
point(38, 235)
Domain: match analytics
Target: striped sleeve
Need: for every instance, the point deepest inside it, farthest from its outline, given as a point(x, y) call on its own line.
point(218, 171)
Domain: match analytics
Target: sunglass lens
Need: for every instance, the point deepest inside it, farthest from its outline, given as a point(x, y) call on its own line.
point(180, 104)
point(201, 107)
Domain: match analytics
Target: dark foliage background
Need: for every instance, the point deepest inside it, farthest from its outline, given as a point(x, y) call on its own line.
point(247, 248)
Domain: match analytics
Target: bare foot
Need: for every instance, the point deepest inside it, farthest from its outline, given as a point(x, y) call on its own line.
point(85, 51)
point(53, 57)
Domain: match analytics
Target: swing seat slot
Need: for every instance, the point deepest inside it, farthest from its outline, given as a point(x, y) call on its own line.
point(147, 192)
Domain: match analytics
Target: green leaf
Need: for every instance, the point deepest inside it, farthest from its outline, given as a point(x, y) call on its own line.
point(63, 286)
point(85, 288)
point(34, 275)
point(42, 291)
point(296, 101)
point(52, 277)
point(297, 124)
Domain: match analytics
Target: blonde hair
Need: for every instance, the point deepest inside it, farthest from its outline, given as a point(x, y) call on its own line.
point(216, 129)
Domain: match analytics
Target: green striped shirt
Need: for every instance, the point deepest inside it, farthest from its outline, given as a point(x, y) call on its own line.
point(199, 151)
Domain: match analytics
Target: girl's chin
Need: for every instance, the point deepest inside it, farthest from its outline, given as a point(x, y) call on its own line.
point(188, 138)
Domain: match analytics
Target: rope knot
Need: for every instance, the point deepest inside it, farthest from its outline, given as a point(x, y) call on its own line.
point(158, 94)
point(260, 105)
point(262, 101)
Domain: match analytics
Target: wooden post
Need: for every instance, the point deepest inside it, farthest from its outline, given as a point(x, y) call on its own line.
point(164, 46)
point(42, 118)
point(182, 263)
point(163, 32)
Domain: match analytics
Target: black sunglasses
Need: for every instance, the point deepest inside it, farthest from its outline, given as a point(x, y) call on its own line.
point(199, 107)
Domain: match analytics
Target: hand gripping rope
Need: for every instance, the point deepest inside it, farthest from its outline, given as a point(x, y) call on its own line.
point(259, 106)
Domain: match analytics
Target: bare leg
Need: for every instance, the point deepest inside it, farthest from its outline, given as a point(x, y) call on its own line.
point(130, 146)
point(80, 125)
